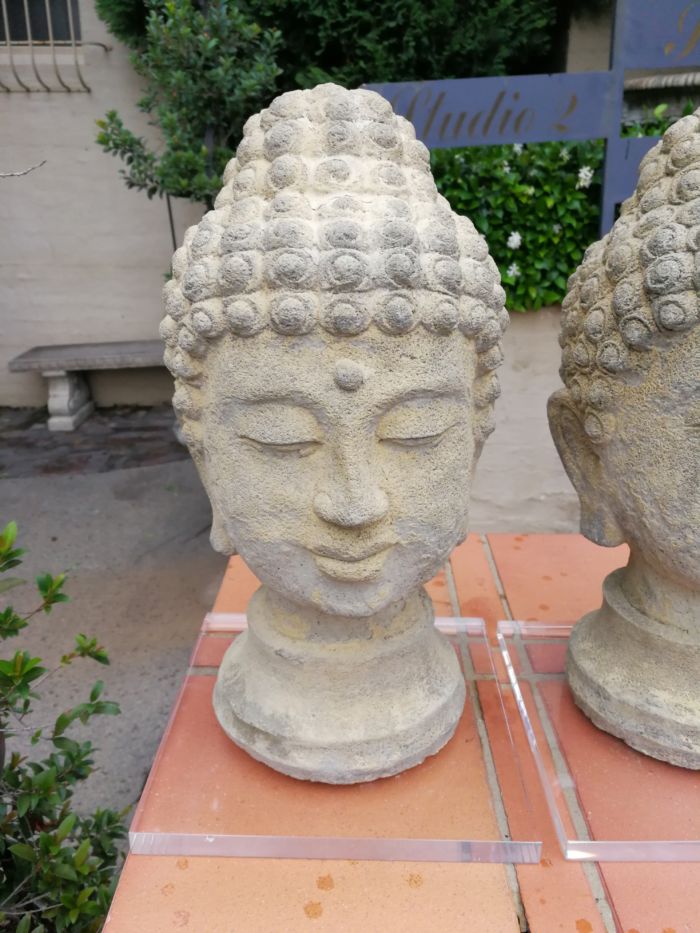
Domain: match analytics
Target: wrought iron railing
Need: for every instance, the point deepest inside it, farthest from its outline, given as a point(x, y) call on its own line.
point(41, 46)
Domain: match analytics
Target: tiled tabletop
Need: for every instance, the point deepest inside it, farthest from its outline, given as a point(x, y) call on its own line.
point(546, 578)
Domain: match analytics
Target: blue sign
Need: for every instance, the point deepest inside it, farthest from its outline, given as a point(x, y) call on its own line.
point(541, 108)
point(483, 111)
point(661, 33)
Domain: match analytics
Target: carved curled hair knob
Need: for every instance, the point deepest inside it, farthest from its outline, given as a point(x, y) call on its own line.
point(396, 314)
point(293, 315)
point(345, 317)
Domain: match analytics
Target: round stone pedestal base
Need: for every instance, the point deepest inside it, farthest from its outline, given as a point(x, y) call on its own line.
point(368, 700)
point(638, 679)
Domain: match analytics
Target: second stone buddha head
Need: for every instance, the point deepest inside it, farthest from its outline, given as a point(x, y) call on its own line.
point(627, 427)
point(333, 329)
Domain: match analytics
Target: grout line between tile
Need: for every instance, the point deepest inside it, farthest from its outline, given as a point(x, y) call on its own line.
point(496, 576)
point(491, 773)
point(452, 590)
point(592, 871)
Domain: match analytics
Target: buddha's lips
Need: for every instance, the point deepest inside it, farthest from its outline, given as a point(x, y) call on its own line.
point(352, 569)
point(348, 556)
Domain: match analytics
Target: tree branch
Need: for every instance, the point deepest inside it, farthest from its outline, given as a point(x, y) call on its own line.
point(25, 172)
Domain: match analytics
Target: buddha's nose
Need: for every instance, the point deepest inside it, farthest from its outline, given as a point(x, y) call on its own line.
point(350, 496)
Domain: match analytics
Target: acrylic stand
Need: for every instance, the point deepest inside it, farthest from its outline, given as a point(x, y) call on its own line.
point(607, 801)
point(205, 796)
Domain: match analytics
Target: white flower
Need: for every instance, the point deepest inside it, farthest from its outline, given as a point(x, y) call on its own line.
point(585, 177)
point(564, 155)
point(556, 228)
point(514, 240)
point(513, 270)
point(517, 148)
point(505, 166)
point(530, 190)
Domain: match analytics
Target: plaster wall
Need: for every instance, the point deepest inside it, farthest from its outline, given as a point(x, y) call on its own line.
point(590, 39)
point(520, 484)
point(82, 258)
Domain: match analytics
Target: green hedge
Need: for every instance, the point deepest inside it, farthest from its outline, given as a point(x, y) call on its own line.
point(537, 205)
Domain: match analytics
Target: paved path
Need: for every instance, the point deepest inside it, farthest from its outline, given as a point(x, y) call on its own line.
point(141, 574)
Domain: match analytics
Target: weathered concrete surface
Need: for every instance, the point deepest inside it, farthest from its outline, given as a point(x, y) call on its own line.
point(627, 427)
point(334, 328)
point(141, 576)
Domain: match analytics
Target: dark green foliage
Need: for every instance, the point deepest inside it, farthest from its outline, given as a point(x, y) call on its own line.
point(208, 65)
point(57, 868)
point(204, 75)
point(125, 19)
point(535, 193)
point(352, 42)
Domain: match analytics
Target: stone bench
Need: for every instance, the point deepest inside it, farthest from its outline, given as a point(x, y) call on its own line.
point(64, 368)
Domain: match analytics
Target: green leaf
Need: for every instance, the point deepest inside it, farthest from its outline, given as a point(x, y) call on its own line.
point(97, 689)
point(81, 853)
point(66, 827)
point(65, 871)
point(23, 851)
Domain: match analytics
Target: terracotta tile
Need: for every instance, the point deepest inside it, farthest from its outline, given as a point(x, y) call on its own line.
point(445, 797)
point(237, 587)
point(555, 893)
point(665, 802)
point(552, 578)
point(476, 590)
point(207, 895)
point(655, 898)
point(209, 650)
point(438, 591)
point(546, 658)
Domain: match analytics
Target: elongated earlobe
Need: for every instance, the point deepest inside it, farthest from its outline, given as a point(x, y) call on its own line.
point(582, 462)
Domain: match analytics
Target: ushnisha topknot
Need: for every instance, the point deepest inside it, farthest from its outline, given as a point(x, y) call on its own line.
point(329, 218)
point(637, 288)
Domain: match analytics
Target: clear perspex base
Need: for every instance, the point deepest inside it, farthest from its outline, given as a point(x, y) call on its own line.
point(205, 796)
point(608, 802)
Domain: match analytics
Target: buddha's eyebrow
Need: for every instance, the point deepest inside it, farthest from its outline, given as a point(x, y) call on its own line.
point(294, 398)
point(446, 390)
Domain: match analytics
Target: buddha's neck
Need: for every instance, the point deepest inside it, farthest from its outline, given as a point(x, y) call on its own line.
point(658, 596)
point(300, 622)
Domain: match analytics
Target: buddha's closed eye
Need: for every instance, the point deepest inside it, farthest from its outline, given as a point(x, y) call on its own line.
point(420, 440)
point(297, 448)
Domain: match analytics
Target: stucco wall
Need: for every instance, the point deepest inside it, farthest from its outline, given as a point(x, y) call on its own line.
point(589, 43)
point(82, 258)
point(520, 483)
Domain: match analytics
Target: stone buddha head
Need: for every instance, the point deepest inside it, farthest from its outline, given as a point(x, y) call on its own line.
point(333, 329)
point(627, 425)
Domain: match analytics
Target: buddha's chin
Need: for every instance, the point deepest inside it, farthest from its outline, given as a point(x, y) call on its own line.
point(351, 598)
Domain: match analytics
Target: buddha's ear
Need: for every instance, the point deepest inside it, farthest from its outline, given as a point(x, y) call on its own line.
point(584, 466)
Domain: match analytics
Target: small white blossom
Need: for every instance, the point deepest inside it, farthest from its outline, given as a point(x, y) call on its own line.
point(556, 228)
point(517, 148)
point(514, 240)
point(505, 166)
point(585, 177)
point(530, 190)
point(513, 270)
point(564, 155)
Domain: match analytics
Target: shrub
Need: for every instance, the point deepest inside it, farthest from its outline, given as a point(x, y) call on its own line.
point(353, 42)
point(204, 74)
point(537, 206)
point(208, 65)
point(57, 868)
